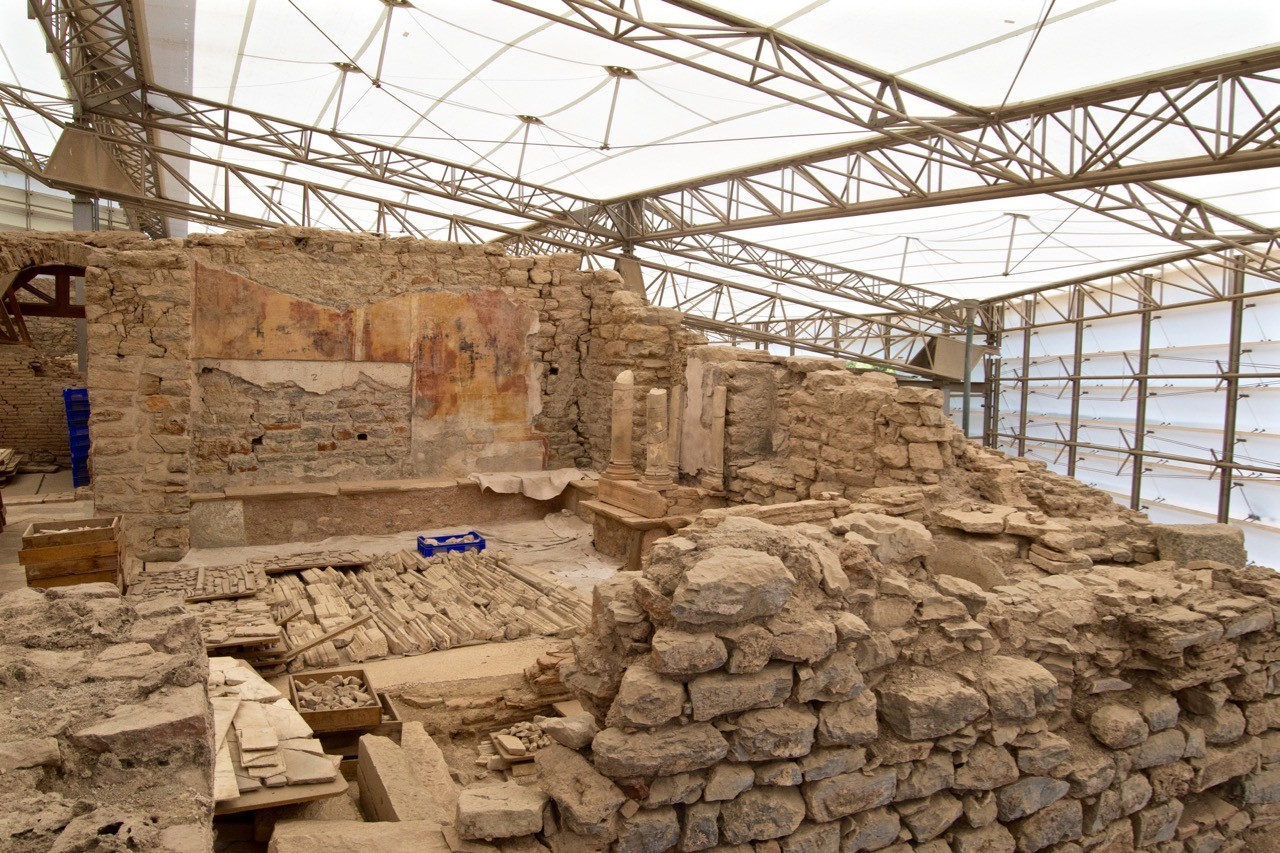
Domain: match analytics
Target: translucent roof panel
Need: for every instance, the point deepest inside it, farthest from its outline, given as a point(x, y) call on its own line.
point(521, 93)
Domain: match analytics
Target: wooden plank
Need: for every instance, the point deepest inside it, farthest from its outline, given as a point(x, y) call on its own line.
point(91, 565)
point(68, 580)
point(62, 553)
point(101, 529)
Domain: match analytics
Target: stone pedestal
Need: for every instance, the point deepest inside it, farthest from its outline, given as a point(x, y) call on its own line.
point(675, 424)
point(620, 465)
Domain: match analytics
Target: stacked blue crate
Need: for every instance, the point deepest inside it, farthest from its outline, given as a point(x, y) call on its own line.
point(76, 401)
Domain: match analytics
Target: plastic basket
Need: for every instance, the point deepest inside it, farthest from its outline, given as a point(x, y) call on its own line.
point(429, 546)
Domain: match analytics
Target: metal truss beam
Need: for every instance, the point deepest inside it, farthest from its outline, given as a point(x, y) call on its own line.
point(1202, 278)
point(102, 59)
point(1218, 115)
point(741, 51)
point(294, 199)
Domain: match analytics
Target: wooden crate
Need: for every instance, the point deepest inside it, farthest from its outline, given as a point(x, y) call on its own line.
point(80, 556)
point(345, 719)
point(103, 529)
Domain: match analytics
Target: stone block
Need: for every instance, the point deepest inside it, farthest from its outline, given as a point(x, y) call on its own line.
point(1117, 726)
point(588, 802)
point(217, 524)
point(761, 814)
point(645, 699)
point(1053, 824)
point(391, 789)
point(930, 817)
point(648, 830)
point(176, 720)
point(732, 585)
point(499, 811)
point(849, 793)
point(1028, 795)
point(718, 693)
point(813, 838)
point(343, 836)
point(986, 768)
point(871, 829)
point(920, 703)
point(848, 723)
point(701, 828)
point(1183, 543)
point(681, 653)
point(1156, 824)
point(1017, 689)
point(657, 752)
point(726, 781)
point(992, 838)
point(773, 733)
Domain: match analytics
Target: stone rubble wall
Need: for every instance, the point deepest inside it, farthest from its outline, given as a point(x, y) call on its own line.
point(33, 418)
point(800, 427)
point(838, 684)
point(106, 733)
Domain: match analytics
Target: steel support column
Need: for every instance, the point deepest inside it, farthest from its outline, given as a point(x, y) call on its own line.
point(1138, 460)
point(1077, 361)
point(1024, 393)
point(1234, 337)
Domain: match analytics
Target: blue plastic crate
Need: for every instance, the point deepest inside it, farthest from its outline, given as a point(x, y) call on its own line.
point(429, 546)
point(78, 394)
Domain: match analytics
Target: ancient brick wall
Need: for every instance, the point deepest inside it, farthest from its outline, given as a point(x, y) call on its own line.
point(33, 419)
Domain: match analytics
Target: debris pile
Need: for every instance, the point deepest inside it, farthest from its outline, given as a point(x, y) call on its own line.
point(333, 693)
point(105, 728)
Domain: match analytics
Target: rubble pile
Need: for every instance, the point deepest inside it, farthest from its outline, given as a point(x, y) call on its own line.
point(333, 693)
point(106, 733)
point(818, 686)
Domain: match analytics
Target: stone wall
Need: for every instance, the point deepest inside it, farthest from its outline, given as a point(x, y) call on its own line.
point(818, 686)
point(629, 334)
point(33, 419)
point(297, 355)
point(106, 734)
point(796, 427)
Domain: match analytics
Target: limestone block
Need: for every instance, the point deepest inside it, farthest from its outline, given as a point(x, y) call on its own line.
point(1156, 824)
point(1222, 764)
point(726, 781)
point(648, 830)
point(1225, 725)
point(987, 767)
point(732, 585)
point(835, 679)
point(680, 789)
point(992, 838)
point(761, 814)
point(657, 752)
point(680, 653)
point(871, 829)
point(391, 789)
point(1117, 726)
point(849, 793)
point(925, 778)
point(929, 818)
point(217, 524)
point(160, 724)
point(575, 731)
point(701, 827)
point(1028, 795)
point(1160, 748)
point(30, 752)
point(1042, 753)
point(1016, 688)
point(773, 733)
point(646, 699)
point(1183, 543)
point(499, 811)
point(718, 693)
point(1051, 825)
point(897, 539)
point(848, 723)
point(920, 703)
point(588, 802)
point(813, 838)
point(1261, 787)
point(801, 638)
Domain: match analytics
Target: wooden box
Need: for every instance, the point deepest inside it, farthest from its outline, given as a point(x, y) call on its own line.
point(345, 719)
point(88, 555)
